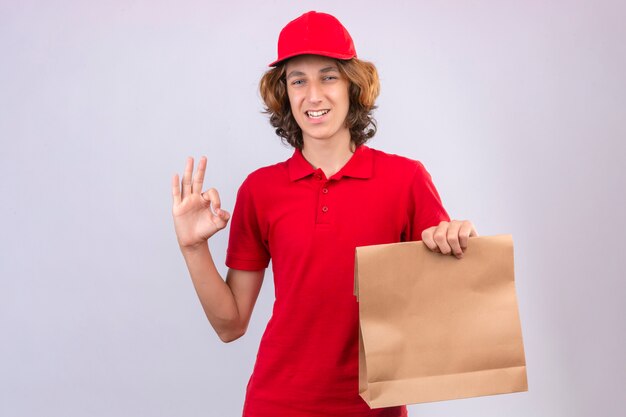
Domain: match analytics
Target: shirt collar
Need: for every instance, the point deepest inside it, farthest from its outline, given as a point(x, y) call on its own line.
point(360, 165)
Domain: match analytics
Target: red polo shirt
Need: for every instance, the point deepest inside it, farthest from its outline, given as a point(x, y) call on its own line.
point(309, 225)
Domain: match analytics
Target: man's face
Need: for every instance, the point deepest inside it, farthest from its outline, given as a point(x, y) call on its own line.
point(318, 96)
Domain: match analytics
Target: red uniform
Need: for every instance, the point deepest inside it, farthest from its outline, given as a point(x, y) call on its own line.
point(310, 225)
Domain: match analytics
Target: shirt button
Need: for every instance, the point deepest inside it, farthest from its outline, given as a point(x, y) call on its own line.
point(324, 209)
point(325, 190)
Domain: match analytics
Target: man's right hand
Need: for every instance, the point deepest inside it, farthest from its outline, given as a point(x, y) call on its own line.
point(194, 221)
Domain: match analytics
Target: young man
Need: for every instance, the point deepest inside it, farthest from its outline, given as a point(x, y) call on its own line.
point(308, 214)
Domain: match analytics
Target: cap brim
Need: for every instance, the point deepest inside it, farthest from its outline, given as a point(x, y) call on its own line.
point(321, 53)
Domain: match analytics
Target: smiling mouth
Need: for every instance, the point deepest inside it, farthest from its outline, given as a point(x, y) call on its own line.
point(316, 114)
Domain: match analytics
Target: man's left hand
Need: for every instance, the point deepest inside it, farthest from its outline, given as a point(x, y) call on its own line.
point(449, 238)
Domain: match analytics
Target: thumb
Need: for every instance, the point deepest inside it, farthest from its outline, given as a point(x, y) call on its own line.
point(223, 214)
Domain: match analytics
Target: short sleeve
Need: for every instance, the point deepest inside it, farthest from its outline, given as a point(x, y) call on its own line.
point(247, 244)
point(425, 208)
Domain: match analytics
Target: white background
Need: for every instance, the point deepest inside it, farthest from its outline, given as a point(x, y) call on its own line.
point(516, 108)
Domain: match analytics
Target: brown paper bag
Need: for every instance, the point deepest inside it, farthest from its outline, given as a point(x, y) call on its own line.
point(433, 327)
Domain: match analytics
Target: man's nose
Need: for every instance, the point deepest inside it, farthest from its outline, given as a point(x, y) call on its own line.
point(314, 92)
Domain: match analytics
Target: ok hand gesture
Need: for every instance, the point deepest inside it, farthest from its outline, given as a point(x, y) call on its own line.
point(194, 221)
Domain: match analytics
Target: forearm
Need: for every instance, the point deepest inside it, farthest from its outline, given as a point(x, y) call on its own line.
point(215, 295)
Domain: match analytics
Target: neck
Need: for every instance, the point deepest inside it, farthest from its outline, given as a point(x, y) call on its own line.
point(329, 155)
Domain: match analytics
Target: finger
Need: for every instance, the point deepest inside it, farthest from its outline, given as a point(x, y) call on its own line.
point(176, 189)
point(221, 219)
point(223, 215)
point(427, 238)
point(452, 236)
point(213, 198)
point(187, 177)
point(440, 237)
point(198, 179)
point(466, 230)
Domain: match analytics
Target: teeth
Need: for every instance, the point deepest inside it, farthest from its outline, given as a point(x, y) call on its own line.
point(316, 113)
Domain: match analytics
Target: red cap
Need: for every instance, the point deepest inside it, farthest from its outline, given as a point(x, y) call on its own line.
point(315, 33)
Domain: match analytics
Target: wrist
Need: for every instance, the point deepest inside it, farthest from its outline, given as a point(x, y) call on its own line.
point(194, 248)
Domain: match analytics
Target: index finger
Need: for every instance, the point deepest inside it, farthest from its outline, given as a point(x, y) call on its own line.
point(214, 198)
point(427, 238)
